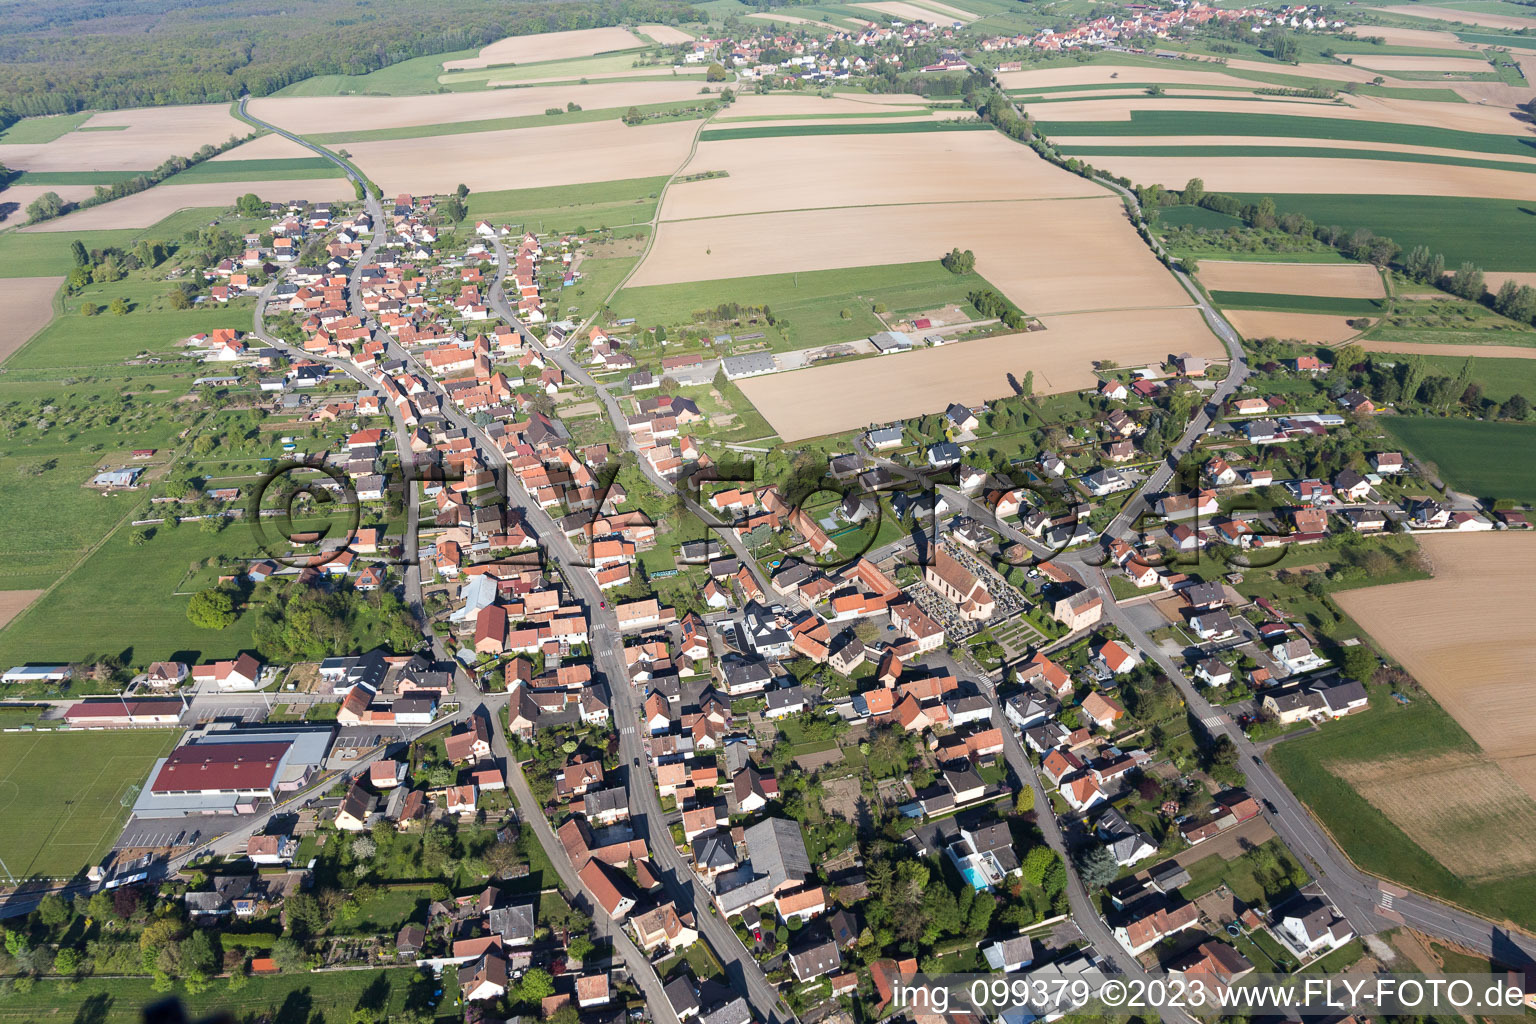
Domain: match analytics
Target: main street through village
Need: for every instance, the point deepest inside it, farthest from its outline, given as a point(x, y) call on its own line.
point(1369, 904)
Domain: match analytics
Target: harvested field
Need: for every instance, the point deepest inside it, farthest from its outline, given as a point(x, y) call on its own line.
point(268, 147)
point(28, 305)
point(1465, 117)
point(790, 19)
point(1396, 62)
point(1466, 636)
point(1432, 349)
point(582, 42)
point(629, 73)
point(787, 105)
point(1425, 37)
point(1467, 17)
point(567, 155)
point(666, 34)
point(1321, 175)
point(15, 200)
point(1311, 327)
point(1350, 280)
point(1079, 143)
point(862, 171)
point(1182, 73)
point(912, 12)
point(315, 115)
point(13, 601)
point(151, 135)
point(841, 120)
point(1075, 246)
point(1465, 811)
point(1493, 280)
point(829, 399)
point(142, 209)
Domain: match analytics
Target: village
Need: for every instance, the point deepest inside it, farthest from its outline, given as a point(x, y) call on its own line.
point(823, 741)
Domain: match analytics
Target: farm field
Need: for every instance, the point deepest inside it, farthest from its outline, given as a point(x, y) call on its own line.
point(810, 128)
point(280, 168)
point(934, 14)
point(1455, 126)
point(790, 19)
point(548, 46)
point(31, 130)
point(1316, 328)
point(13, 601)
point(143, 209)
point(1396, 62)
point(264, 147)
point(1274, 301)
point(1503, 353)
point(665, 34)
point(567, 155)
point(15, 199)
point(28, 305)
point(1315, 768)
point(1461, 635)
point(1470, 17)
point(323, 115)
point(1320, 150)
point(1349, 280)
point(1490, 232)
point(1077, 244)
point(829, 399)
point(569, 207)
point(540, 120)
point(1473, 457)
point(812, 302)
point(61, 794)
point(149, 136)
point(863, 172)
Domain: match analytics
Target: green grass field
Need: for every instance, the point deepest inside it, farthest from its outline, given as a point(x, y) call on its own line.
point(899, 128)
point(601, 204)
point(42, 129)
point(1500, 378)
point(1493, 233)
point(1299, 303)
point(407, 78)
point(574, 67)
point(1473, 457)
point(61, 794)
point(500, 124)
point(259, 170)
point(1311, 152)
point(1494, 39)
point(75, 177)
point(46, 253)
point(811, 302)
point(330, 996)
point(1287, 126)
point(1196, 217)
point(1372, 841)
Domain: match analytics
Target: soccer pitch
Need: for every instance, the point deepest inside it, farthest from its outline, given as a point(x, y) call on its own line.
point(62, 794)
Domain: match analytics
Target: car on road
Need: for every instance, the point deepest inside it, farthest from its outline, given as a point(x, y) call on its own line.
point(637, 762)
point(1270, 807)
point(1256, 759)
point(603, 605)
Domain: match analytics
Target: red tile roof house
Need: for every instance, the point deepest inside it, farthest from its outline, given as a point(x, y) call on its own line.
point(241, 674)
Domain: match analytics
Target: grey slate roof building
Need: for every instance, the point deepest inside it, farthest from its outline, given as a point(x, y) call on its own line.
point(514, 924)
point(751, 365)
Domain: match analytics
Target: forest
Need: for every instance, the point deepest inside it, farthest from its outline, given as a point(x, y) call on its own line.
point(76, 55)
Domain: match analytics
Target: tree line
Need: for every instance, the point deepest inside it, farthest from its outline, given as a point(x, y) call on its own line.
point(77, 55)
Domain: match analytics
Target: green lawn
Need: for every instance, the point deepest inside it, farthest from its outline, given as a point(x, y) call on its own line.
point(330, 996)
point(1299, 303)
point(42, 129)
point(566, 207)
point(259, 170)
point(499, 124)
point(62, 794)
point(1472, 456)
point(808, 305)
point(1493, 233)
point(1290, 126)
point(771, 131)
point(1391, 730)
point(127, 595)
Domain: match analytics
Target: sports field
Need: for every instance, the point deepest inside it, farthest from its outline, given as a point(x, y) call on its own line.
point(62, 794)
point(1473, 457)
